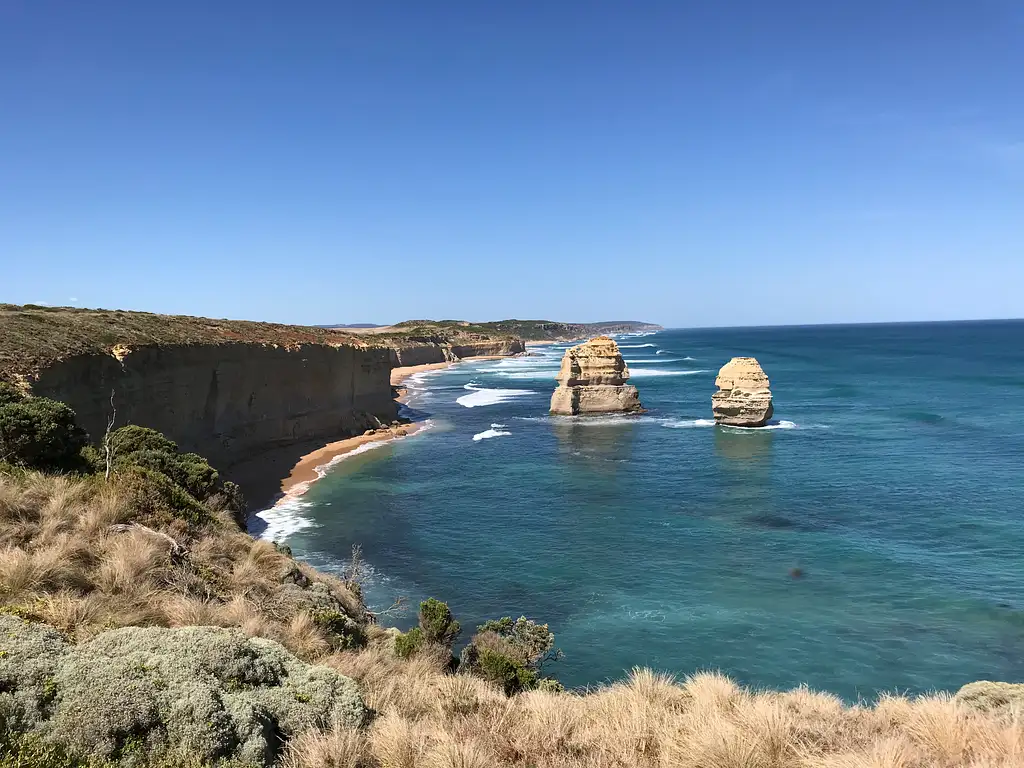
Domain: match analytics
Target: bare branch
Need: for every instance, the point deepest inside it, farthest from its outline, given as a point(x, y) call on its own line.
point(396, 610)
point(107, 450)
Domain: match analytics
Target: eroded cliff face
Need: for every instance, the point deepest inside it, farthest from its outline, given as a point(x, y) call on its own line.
point(443, 352)
point(228, 402)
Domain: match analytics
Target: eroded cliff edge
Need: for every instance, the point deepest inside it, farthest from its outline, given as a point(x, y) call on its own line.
point(228, 401)
point(252, 397)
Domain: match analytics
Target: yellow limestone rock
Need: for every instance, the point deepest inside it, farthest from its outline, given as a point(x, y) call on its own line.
point(593, 380)
point(743, 398)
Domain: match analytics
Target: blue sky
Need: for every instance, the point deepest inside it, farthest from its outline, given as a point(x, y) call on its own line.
point(692, 164)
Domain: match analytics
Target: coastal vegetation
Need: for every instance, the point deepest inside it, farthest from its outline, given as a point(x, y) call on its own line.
point(141, 626)
point(36, 336)
point(532, 330)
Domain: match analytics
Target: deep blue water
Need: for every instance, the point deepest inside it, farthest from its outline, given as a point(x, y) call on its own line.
point(893, 479)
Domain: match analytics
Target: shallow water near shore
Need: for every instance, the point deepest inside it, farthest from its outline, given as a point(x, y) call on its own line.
point(872, 539)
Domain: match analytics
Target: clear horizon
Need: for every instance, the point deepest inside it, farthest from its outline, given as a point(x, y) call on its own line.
point(734, 165)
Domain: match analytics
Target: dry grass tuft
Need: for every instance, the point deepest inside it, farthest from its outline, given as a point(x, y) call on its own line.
point(71, 555)
point(427, 718)
point(67, 557)
point(337, 748)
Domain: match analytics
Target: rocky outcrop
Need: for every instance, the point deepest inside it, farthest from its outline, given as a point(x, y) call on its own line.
point(228, 402)
point(593, 380)
point(743, 398)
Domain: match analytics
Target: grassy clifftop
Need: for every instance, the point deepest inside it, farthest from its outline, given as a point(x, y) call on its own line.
point(32, 336)
point(528, 330)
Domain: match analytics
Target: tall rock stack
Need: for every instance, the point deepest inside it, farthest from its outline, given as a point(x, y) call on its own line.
point(743, 398)
point(593, 380)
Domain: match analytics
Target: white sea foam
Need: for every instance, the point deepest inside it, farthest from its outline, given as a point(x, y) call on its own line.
point(635, 346)
point(695, 423)
point(644, 372)
point(286, 516)
point(496, 430)
point(545, 374)
point(687, 423)
point(590, 421)
point(687, 357)
point(661, 352)
point(781, 424)
point(285, 519)
point(481, 396)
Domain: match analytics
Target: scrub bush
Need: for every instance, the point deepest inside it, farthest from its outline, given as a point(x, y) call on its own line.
point(132, 694)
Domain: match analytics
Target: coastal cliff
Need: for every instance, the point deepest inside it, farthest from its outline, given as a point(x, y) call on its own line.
point(233, 391)
point(227, 401)
point(437, 351)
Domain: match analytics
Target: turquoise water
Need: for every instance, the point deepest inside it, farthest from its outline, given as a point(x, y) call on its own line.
point(893, 480)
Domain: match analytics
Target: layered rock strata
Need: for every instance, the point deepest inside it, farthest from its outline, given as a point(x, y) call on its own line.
point(228, 402)
point(743, 398)
point(444, 352)
point(593, 380)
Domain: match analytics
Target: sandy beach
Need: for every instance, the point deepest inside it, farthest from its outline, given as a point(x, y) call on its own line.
point(305, 470)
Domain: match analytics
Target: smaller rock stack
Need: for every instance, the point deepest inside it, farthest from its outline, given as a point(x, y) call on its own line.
point(593, 380)
point(743, 398)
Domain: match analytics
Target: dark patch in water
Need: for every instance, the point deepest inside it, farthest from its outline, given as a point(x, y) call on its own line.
point(775, 522)
point(924, 417)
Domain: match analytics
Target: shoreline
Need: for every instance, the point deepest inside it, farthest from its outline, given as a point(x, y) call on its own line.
point(311, 466)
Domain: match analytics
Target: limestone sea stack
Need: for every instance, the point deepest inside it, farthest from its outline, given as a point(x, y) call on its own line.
point(743, 398)
point(593, 380)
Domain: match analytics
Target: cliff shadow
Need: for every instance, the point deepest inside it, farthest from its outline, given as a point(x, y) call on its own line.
point(260, 477)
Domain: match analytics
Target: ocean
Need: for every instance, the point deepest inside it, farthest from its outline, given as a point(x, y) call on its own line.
point(870, 539)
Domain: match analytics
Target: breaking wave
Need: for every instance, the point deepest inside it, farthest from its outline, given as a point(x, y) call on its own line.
point(481, 396)
point(781, 424)
point(496, 430)
point(285, 519)
point(644, 372)
point(688, 423)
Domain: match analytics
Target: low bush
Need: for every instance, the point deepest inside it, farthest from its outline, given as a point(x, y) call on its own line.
point(438, 631)
point(437, 623)
point(194, 692)
point(408, 643)
point(511, 653)
point(39, 433)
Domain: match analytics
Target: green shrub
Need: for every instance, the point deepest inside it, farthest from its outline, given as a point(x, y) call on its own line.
point(154, 495)
point(40, 433)
point(511, 653)
point(132, 438)
point(183, 484)
point(507, 673)
point(344, 633)
point(437, 629)
point(194, 694)
point(438, 625)
point(408, 643)
point(9, 394)
point(550, 685)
